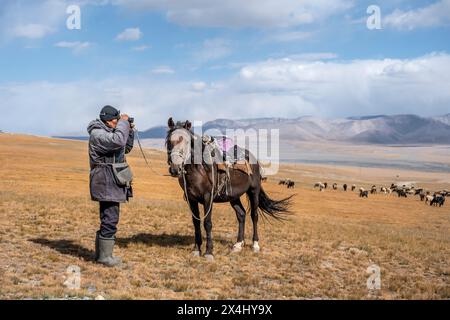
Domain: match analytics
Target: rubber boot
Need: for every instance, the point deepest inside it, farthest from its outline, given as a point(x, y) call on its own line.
point(105, 250)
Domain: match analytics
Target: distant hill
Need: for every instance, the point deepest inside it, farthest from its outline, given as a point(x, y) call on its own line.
point(378, 129)
point(444, 119)
point(154, 133)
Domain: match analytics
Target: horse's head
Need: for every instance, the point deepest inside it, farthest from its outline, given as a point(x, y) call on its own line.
point(178, 144)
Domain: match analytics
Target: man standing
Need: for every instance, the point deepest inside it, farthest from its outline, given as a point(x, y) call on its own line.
point(111, 137)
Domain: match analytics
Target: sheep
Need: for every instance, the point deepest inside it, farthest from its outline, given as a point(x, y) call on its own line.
point(437, 200)
point(344, 187)
point(383, 190)
point(319, 185)
point(373, 190)
point(428, 198)
point(402, 193)
point(290, 184)
point(353, 187)
point(334, 186)
point(363, 193)
point(422, 196)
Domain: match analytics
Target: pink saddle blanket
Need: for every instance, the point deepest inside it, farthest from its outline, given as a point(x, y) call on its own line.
point(224, 143)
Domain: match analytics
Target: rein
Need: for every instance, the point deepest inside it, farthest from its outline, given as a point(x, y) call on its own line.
point(183, 174)
point(143, 154)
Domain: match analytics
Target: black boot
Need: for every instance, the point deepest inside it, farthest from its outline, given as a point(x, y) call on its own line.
point(105, 251)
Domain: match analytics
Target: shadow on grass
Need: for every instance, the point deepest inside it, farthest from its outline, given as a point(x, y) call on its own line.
point(162, 240)
point(68, 247)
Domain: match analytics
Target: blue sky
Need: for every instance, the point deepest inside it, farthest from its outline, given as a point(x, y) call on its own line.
point(204, 59)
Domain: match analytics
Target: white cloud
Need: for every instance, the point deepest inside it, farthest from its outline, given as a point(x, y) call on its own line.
point(434, 15)
point(36, 19)
point(30, 19)
point(356, 87)
point(238, 13)
point(76, 46)
point(141, 48)
point(163, 70)
point(287, 87)
point(198, 86)
point(32, 31)
point(130, 34)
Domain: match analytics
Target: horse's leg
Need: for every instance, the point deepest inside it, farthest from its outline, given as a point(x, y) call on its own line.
point(240, 215)
point(198, 230)
point(254, 204)
point(208, 227)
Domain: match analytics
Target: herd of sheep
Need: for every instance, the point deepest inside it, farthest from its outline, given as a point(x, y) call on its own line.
point(434, 199)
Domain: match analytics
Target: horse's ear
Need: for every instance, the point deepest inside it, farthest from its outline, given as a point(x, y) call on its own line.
point(170, 123)
point(188, 125)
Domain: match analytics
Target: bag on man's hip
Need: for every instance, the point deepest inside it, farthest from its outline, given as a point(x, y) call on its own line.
point(122, 173)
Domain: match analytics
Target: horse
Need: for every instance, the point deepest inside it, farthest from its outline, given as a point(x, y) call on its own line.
point(199, 181)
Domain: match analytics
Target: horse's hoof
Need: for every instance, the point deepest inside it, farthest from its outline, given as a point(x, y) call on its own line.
point(196, 253)
point(238, 247)
point(256, 247)
point(209, 257)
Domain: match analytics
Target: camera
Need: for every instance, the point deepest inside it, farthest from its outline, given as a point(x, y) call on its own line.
point(131, 120)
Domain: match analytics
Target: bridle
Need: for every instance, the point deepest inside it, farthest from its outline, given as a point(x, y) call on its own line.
point(182, 171)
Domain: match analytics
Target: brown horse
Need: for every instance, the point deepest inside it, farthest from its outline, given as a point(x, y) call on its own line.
point(199, 181)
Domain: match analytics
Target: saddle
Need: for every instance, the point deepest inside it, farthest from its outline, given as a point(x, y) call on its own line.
point(241, 165)
point(227, 157)
point(230, 156)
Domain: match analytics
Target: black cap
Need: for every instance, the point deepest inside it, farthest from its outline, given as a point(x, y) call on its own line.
point(109, 113)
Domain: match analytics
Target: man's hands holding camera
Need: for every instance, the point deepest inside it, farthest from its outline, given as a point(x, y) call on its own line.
point(125, 117)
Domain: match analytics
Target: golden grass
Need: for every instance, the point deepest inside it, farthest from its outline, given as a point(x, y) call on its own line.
point(47, 222)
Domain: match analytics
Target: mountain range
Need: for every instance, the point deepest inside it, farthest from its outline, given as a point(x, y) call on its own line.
point(379, 129)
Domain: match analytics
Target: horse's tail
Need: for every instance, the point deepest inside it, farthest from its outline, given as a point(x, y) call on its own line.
point(277, 209)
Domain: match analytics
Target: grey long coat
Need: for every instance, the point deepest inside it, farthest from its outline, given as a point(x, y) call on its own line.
point(107, 145)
